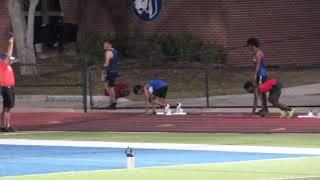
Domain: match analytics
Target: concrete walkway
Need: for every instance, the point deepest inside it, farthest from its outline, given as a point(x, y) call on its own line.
point(295, 96)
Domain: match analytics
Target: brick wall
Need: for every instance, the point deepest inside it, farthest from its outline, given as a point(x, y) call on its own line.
point(274, 20)
point(203, 18)
point(226, 22)
point(92, 16)
point(229, 23)
point(71, 11)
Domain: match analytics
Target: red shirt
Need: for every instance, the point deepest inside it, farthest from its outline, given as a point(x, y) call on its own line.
point(6, 74)
point(267, 86)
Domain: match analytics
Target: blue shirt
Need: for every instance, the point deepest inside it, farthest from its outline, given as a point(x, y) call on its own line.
point(154, 85)
point(262, 70)
point(113, 63)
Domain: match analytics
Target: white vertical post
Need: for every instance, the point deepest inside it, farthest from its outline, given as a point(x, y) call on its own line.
point(130, 158)
point(130, 162)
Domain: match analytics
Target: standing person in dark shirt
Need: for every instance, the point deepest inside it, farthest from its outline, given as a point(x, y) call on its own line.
point(260, 73)
point(111, 64)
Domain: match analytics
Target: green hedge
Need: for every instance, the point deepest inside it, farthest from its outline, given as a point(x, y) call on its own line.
point(162, 47)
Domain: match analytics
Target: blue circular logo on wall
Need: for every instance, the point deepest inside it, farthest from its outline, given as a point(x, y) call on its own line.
point(147, 10)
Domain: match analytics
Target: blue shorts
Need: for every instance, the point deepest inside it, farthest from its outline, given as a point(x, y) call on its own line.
point(111, 78)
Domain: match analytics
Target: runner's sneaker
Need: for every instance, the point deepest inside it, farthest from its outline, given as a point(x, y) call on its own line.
point(262, 113)
point(10, 129)
point(283, 114)
point(290, 113)
point(113, 106)
point(3, 129)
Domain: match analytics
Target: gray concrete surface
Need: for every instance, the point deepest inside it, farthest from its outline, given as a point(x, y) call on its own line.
point(297, 96)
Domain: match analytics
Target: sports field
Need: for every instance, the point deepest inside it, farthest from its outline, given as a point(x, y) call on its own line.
point(95, 156)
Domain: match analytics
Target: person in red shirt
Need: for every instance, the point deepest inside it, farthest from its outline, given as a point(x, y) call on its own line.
point(273, 87)
point(7, 83)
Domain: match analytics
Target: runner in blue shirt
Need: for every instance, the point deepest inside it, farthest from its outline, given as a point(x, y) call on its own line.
point(260, 73)
point(154, 91)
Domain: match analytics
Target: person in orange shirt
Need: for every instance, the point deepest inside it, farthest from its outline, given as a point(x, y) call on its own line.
point(273, 87)
point(7, 83)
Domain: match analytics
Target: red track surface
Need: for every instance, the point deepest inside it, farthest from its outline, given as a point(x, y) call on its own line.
point(208, 122)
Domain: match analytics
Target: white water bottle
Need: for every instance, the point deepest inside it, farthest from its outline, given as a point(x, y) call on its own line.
point(130, 158)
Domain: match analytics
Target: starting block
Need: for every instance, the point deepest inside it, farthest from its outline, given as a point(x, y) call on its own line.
point(310, 115)
point(168, 111)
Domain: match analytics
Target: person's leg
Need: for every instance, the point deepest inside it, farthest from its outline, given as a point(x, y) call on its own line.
point(3, 126)
point(10, 104)
point(110, 82)
point(263, 96)
point(161, 95)
point(159, 102)
point(7, 117)
point(285, 110)
point(274, 97)
point(106, 89)
point(3, 114)
point(110, 92)
point(112, 95)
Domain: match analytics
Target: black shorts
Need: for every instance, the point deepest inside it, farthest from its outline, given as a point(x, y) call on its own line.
point(276, 89)
point(261, 79)
point(9, 96)
point(111, 78)
point(161, 93)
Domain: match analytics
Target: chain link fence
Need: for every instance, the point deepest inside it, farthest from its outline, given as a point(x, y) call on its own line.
point(78, 87)
point(209, 87)
point(301, 86)
point(53, 87)
point(187, 85)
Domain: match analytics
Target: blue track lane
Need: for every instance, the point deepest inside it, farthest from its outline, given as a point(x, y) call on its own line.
point(26, 160)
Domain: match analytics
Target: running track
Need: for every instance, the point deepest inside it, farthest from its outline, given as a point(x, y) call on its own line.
point(135, 122)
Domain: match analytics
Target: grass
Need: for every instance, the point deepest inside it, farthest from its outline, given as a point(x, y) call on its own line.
point(306, 168)
point(287, 140)
point(292, 168)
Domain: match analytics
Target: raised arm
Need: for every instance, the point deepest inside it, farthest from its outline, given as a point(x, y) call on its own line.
point(9, 51)
point(258, 58)
point(146, 97)
point(107, 57)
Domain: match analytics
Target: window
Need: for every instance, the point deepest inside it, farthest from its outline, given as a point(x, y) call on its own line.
point(55, 19)
point(54, 5)
point(26, 5)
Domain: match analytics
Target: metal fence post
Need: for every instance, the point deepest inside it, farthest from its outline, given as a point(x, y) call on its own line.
point(84, 85)
point(207, 87)
point(90, 83)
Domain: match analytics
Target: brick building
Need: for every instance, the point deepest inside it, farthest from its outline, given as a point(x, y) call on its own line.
point(288, 29)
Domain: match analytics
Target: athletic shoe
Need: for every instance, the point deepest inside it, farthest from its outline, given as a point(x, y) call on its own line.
point(3, 129)
point(262, 113)
point(10, 129)
point(113, 106)
point(283, 114)
point(290, 113)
